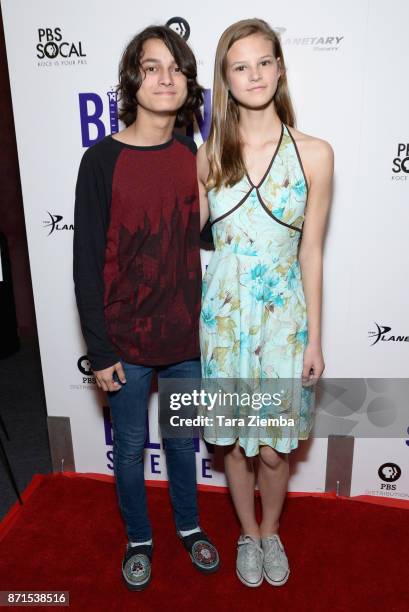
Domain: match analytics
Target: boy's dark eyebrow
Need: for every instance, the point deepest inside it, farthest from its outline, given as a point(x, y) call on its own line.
point(153, 60)
point(150, 59)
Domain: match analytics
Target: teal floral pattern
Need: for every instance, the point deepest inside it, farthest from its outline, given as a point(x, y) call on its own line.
point(253, 320)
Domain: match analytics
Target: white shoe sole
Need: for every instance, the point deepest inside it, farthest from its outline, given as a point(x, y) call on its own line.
point(249, 584)
point(275, 582)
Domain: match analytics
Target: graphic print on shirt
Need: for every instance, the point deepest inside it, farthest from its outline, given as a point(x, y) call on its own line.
point(155, 279)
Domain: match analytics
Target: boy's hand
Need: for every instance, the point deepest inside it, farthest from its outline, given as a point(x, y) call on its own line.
point(105, 379)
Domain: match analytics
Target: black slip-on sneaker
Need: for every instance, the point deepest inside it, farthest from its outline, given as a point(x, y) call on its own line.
point(202, 551)
point(136, 566)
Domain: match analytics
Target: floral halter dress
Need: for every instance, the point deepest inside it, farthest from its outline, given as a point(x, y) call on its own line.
point(253, 323)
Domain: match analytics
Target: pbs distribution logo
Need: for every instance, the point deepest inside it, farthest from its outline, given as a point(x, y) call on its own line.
point(88, 379)
point(84, 366)
point(400, 163)
point(55, 49)
point(389, 473)
point(180, 26)
point(381, 334)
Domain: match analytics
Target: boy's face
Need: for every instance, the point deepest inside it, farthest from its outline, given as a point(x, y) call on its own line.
point(164, 86)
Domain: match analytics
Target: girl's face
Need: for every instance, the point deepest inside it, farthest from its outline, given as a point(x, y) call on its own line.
point(252, 71)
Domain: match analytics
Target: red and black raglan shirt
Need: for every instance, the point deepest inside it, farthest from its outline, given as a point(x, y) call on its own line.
point(137, 269)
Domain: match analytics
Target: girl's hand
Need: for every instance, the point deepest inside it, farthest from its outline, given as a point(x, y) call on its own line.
point(313, 364)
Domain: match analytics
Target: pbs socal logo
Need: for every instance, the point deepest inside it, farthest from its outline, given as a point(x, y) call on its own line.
point(400, 164)
point(84, 366)
point(389, 473)
point(51, 45)
point(180, 26)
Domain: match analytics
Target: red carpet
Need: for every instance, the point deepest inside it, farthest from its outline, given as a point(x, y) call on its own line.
point(344, 555)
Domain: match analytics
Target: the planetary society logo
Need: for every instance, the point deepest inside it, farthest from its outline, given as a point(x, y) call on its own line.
point(317, 42)
point(382, 334)
point(56, 223)
point(55, 48)
point(400, 163)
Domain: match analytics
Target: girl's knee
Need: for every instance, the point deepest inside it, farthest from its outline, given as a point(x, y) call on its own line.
point(235, 452)
point(270, 457)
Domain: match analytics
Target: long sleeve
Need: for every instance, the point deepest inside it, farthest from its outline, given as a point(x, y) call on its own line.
point(91, 220)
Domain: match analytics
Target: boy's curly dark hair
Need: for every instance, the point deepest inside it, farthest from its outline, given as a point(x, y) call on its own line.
point(130, 77)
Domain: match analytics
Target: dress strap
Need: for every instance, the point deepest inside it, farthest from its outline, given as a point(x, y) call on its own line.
point(271, 162)
point(299, 161)
point(229, 212)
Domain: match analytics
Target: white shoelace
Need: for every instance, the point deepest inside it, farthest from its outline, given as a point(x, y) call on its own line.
point(253, 551)
point(273, 551)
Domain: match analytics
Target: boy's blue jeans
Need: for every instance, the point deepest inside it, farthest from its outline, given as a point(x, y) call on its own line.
point(129, 408)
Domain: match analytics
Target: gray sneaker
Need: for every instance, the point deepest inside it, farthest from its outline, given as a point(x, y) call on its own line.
point(276, 569)
point(249, 566)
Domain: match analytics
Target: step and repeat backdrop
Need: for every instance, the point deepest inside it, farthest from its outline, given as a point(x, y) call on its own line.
point(347, 75)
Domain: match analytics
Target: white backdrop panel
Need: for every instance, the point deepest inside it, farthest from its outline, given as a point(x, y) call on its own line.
point(339, 76)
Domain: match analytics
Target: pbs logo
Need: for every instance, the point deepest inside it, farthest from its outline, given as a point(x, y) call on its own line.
point(51, 50)
point(180, 26)
point(84, 365)
point(389, 473)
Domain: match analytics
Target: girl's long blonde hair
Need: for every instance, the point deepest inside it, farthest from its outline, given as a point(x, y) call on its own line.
point(223, 145)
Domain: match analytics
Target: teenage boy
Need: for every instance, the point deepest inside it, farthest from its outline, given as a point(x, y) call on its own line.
point(137, 277)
